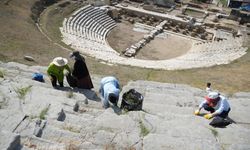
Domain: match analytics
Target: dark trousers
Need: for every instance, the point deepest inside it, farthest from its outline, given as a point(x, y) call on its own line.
point(223, 114)
point(54, 81)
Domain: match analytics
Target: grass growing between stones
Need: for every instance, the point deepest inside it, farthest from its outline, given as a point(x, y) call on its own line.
point(144, 130)
point(43, 113)
point(1, 74)
point(21, 92)
point(70, 94)
point(71, 128)
point(3, 103)
point(214, 132)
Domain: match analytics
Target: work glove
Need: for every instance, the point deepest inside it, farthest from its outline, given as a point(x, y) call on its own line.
point(197, 112)
point(66, 72)
point(208, 116)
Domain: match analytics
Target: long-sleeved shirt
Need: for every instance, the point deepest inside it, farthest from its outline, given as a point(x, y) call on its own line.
point(109, 85)
point(57, 71)
point(221, 106)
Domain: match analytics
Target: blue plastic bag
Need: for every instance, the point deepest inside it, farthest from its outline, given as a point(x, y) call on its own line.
point(38, 77)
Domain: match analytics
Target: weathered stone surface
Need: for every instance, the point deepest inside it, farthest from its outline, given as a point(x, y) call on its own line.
point(9, 140)
point(166, 122)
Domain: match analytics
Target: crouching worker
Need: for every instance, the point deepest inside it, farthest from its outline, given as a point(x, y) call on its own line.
point(56, 70)
point(216, 104)
point(110, 90)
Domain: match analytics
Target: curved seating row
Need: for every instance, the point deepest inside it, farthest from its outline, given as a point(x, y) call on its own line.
point(90, 23)
point(87, 28)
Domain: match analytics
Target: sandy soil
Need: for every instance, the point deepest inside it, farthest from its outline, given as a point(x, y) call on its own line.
point(123, 36)
point(160, 48)
point(172, 46)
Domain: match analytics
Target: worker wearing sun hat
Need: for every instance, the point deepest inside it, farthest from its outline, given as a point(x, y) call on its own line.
point(216, 104)
point(56, 70)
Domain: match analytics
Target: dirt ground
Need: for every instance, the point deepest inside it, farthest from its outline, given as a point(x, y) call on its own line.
point(160, 48)
point(157, 49)
point(20, 36)
point(123, 36)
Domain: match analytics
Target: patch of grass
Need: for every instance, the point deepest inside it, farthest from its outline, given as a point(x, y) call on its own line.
point(223, 2)
point(72, 146)
point(214, 132)
point(1, 74)
point(194, 13)
point(70, 94)
point(21, 92)
point(51, 26)
point(31, 117)
point(71, 128)
point(144, 130)
point(43, 113)
point(3, 102)
point(124, 111)
point(106, 129)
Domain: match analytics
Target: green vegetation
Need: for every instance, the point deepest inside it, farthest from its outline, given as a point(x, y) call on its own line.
point(194, 13)
point(124, 111)
point(3, 102)
point(70, 94)
point(71, 128)
point(31, 117)
point(51, 26)
point(108, 129)
point(144, 130)
point(223, 2)
point(214, 132)
point(21, 92)
point(38, 8)
point(1, 74)
point(43, 113)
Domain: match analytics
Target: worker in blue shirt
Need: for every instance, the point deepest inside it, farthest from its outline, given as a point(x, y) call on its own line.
point(110, 90)
point(216, 104)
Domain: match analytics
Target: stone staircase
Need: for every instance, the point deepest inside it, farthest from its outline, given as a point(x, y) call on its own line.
point(167, 122)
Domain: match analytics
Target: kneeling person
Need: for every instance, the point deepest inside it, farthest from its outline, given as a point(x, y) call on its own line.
point(216, 104)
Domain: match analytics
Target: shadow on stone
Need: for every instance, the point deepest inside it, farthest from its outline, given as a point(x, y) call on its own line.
point(116, 109)
point(90, 94)
point(219, 122)
point(62, 88)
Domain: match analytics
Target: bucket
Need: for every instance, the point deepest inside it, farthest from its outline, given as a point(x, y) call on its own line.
point(132, 100)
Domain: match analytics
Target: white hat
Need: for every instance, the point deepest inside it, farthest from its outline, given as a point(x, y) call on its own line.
point(212, 96)
point(59, 61)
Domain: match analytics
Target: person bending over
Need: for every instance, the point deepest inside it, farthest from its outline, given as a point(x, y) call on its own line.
point(56, 70)
point(216, 104)
point(110, 90)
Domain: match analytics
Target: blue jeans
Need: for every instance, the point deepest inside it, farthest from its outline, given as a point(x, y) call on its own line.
point(223, 114)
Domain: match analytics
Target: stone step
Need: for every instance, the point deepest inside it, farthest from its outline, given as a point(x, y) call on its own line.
point(162, 141)
point(9, 140)
point(66, 136)
point(40, 143)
